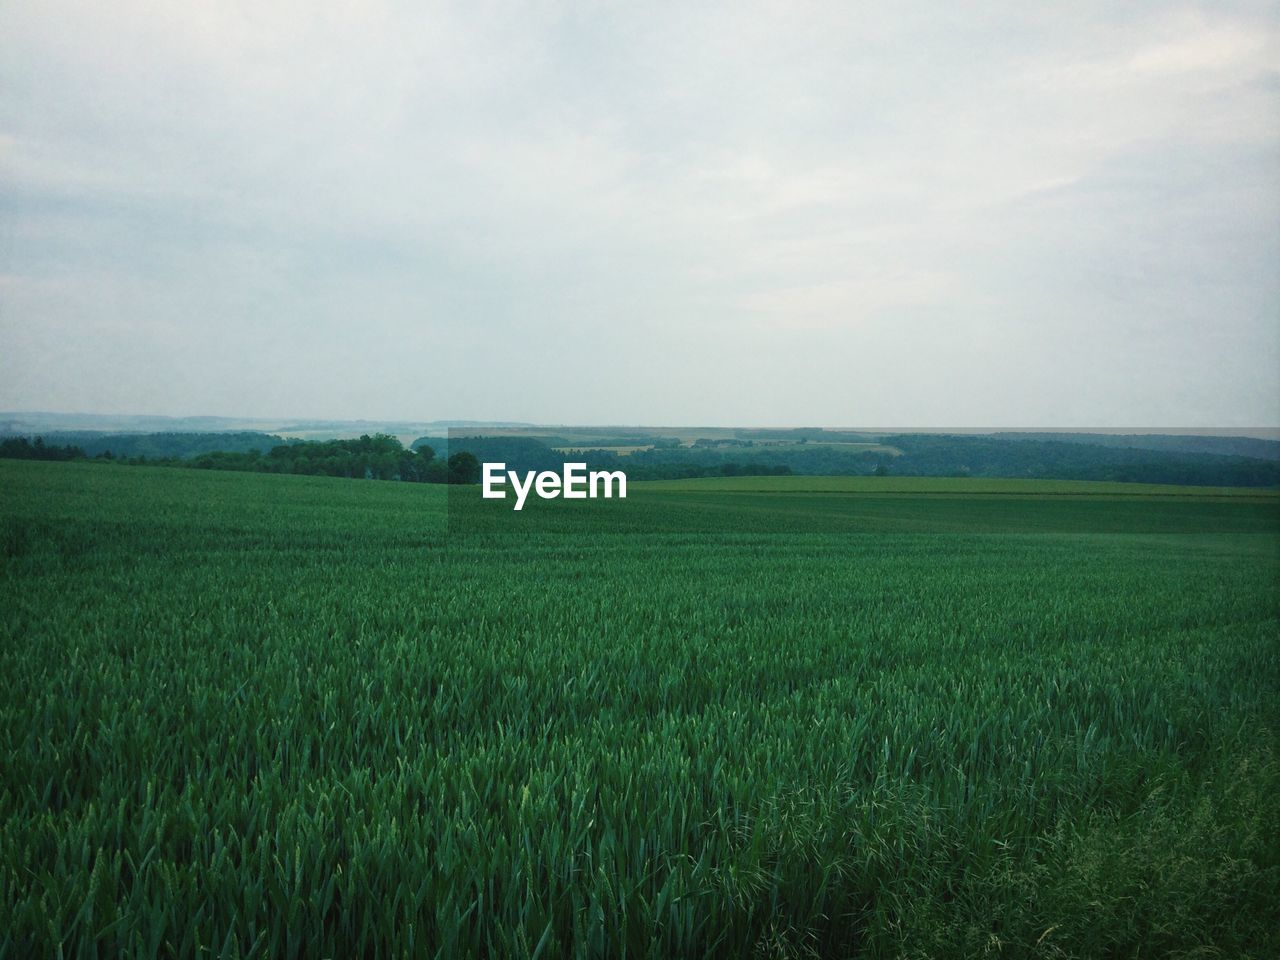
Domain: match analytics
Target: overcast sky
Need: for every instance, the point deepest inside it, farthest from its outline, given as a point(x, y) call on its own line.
point(739, 213)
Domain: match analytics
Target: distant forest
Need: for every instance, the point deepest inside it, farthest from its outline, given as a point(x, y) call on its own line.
point(158, 446)
point(378, 457)
point(918, 455)
point(1202, 461)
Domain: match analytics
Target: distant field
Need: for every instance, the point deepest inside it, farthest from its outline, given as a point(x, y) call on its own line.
point(260, 715)
point(588, 435)
point(965, 486)
point(620, 451)
point(850, 446)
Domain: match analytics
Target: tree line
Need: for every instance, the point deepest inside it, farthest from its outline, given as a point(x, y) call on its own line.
point(20, 448)
point(383, 457)
point(378, 457)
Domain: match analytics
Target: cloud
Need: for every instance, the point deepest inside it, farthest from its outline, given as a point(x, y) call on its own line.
point(589, 213)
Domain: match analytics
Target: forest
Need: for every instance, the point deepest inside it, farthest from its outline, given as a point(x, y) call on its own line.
point(1194, 461)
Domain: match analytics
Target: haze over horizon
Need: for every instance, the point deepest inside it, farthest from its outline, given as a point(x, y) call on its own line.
point(36, 422)
point(749, 214)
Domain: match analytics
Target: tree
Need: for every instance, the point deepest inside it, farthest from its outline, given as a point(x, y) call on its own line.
point(464, 468)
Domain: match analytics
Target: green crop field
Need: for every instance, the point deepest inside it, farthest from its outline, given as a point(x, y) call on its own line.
point(257, 715)
point(955, 485)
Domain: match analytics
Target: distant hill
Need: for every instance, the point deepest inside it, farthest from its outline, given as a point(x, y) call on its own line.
point(811, 452)
point(32, 423)
point(1170, 442)
point(1073, 459)
point(158, 446)
point(1204, 460)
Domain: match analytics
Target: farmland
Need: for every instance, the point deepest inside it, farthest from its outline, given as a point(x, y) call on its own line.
point(950, 486)
point(263, 715)
point(621, 451)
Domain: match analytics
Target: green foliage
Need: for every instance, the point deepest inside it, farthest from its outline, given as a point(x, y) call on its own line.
point(379, 457)
point(20, 448)
point(523, 454)
point(1205, 461)
point(289, 716)
point(165, 445)
point(1075, 459)
point(818, 453)
point(464, 467)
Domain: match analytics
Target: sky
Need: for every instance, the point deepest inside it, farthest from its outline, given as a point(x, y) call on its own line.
point(690, 213)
